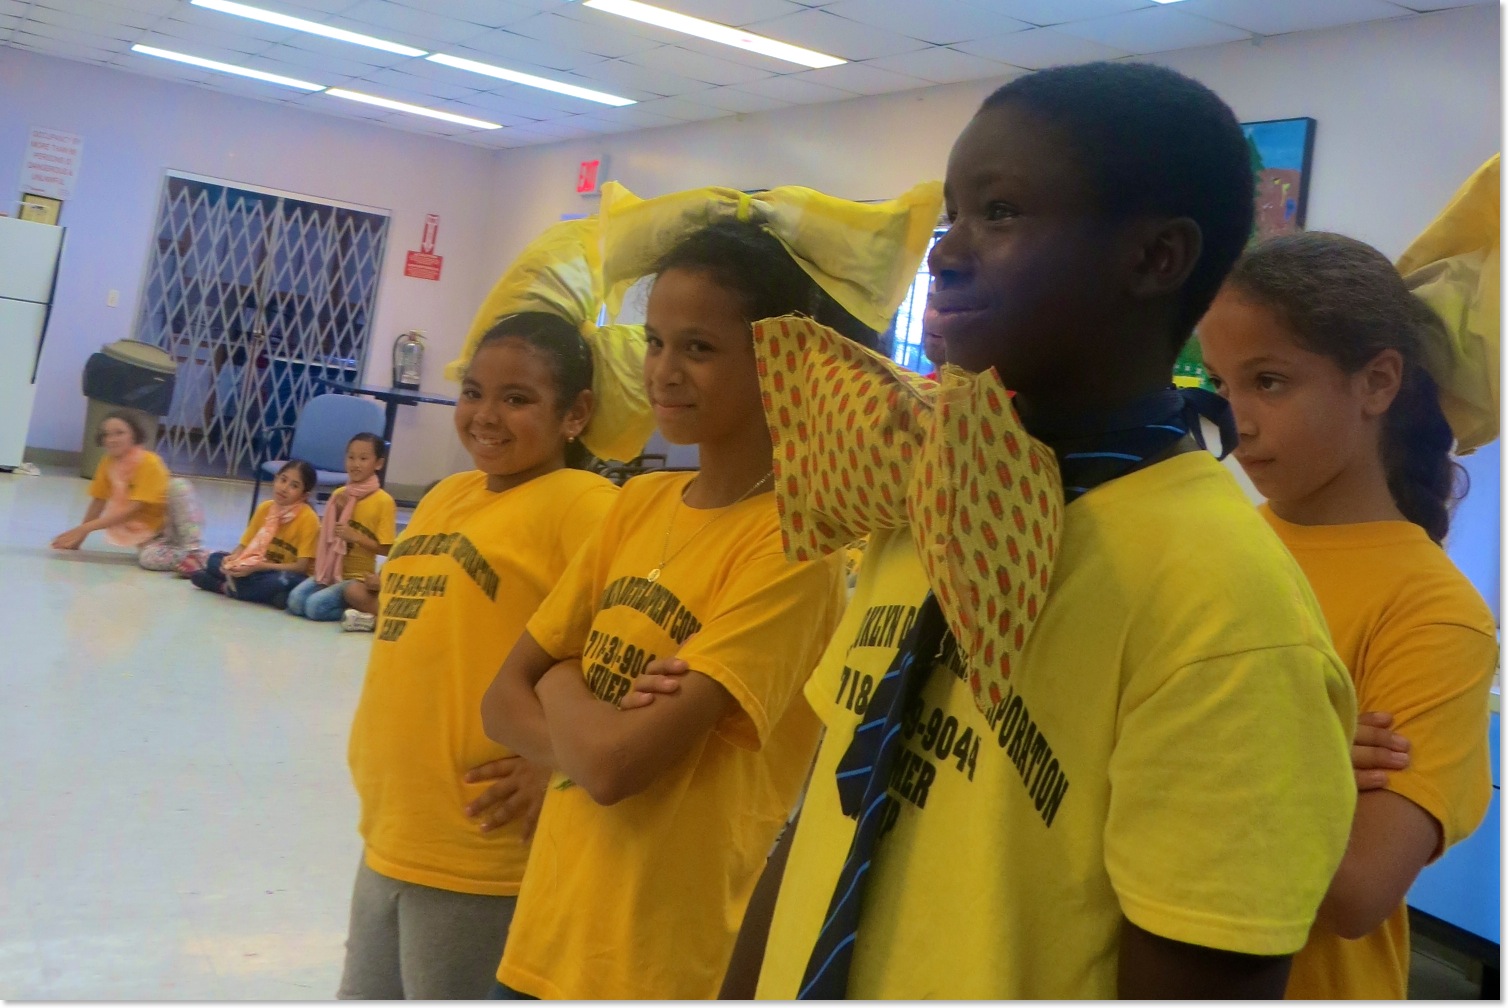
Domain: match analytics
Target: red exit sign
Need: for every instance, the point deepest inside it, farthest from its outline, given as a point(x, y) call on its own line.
point(589, 177)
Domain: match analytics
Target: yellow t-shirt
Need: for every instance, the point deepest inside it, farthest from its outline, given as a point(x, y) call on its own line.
point(149, 485)
point(643, 899)
point(457, 589)
point(296, 540)
point(375, 515)
point(1421, 645)
point(1174, 747)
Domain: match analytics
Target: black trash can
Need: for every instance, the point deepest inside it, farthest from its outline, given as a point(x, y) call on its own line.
point(125, 373)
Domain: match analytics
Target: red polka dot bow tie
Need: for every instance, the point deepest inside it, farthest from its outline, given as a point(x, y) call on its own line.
point(863, 445)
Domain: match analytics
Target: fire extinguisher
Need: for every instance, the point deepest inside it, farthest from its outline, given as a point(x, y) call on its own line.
point(408, 359)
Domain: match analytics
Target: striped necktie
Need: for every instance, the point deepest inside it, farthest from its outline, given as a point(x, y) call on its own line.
point(1090, 451)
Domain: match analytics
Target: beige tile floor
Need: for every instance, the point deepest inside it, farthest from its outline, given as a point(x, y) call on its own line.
point(178, 822)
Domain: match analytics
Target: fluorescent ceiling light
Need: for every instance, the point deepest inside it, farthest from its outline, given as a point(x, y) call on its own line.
point(713, 32)
point(529, 80)
point(209, 64)
point(1167, 1)
point(399, 106)
point(312, 27)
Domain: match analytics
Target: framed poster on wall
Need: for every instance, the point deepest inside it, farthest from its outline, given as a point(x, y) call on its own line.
point(1281, 152)
point(42, 209)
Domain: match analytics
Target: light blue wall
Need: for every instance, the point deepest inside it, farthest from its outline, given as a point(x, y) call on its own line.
point(1476, 534)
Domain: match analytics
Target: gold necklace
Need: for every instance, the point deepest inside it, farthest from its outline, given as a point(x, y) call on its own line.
point(654, 575)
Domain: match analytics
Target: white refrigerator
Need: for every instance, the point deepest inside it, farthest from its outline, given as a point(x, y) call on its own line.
point(29, 254)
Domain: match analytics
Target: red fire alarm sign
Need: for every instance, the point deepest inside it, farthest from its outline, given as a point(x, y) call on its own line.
point(589, 177)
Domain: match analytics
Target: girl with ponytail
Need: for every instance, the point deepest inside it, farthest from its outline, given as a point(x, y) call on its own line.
point(1324, 356)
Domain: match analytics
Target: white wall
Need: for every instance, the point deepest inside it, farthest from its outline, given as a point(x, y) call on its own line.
point(136, 127)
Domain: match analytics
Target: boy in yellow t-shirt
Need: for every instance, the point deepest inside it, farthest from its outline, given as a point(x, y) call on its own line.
point(1124, 819)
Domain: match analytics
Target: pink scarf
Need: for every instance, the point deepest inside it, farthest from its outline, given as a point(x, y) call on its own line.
point(330, 557)
point(256, 550)
point(133, 532)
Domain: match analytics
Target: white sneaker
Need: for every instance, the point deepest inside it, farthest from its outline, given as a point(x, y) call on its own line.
point(356, 621)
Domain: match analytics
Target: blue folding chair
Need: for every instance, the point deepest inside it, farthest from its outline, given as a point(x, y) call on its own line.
point(324, 428)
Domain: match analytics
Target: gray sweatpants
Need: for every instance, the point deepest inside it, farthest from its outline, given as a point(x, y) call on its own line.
point(415, 942)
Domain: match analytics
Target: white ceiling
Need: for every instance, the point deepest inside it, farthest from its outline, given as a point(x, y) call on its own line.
point(892, 45)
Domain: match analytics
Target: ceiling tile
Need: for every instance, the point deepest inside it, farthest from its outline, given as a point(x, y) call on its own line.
point(205, 51)
point(596, 124)
point(941, 65)
point(82, 31)
point(733, 100)
point(862, 78)
point(344, 52)
point(1434, 5)
point(792, 90)
point(487, 13)
point(698, 66)
point(312, 10)
point(687, 108)
point(308, 66)
point(532, 103)
point(417, 84)
point(936, 21)
point(397, 23)
point(517, 52)
point(214, 21)
point(734, 12)
point(620, 76)
point(836, 36)
point(518, 136)
point(1278, 17)
point(1153, 30)
point(157, 7)
point(57, 47)
point(1051, 12)
point(560, 130)
point(94, 13)
point(586, 36)
point(193, 36)
point(1041, 47)
point(632, 117)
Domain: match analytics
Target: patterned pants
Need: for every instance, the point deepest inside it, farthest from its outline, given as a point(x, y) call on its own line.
point(182, 531)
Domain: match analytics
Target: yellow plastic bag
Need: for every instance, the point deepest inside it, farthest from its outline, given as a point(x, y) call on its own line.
point(560, 272)
point(1455, 267)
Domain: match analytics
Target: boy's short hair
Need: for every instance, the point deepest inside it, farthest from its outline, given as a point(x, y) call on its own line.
point(1153, 141)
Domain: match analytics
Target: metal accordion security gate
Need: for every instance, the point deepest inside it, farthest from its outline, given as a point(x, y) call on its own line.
point(257, 295)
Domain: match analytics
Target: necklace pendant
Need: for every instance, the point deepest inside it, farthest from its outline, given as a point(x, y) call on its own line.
point(653, 576)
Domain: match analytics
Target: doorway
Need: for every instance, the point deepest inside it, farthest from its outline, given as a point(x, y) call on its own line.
point(259, 296)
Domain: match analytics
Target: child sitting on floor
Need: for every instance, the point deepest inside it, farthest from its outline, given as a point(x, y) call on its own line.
point(277, 547)
point(359, 525)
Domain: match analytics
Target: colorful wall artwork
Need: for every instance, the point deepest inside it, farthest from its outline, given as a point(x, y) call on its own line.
point(1281, 150)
